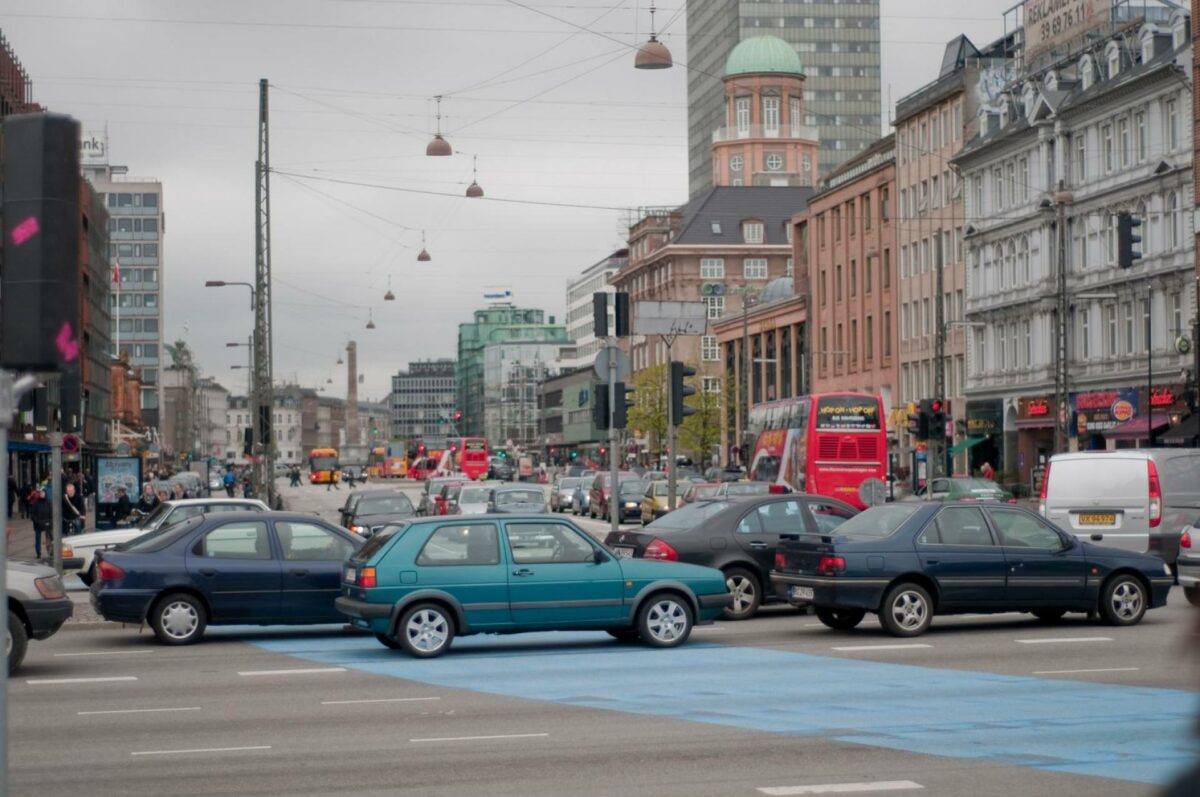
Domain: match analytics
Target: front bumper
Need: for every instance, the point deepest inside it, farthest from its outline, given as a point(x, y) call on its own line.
point(47, 616)
point(1160, 587)
point(719, 600)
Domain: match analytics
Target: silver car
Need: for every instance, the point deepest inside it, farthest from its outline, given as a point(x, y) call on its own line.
point(518, 501)
point(562, 495)
point(472, 499)
point(37, 607)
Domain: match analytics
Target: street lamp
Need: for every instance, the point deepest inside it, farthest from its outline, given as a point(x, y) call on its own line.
point(223, 284)
point(749, 295)
point(1063, 383)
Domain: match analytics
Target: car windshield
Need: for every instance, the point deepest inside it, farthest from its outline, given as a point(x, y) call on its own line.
point(385, 505)
point(568, 484)
point(632, 488)
point(689, 516)
point(155, 518)
point(474, 495)
point(510, 497)
point(748, 488)
point(977, 486)
point(877, 522)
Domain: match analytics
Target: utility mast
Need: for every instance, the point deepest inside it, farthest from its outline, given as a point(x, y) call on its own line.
point(264, 390)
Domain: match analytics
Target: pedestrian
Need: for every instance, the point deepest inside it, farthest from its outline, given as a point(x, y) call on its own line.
point(294, 474)
point(74, 510)
point(350, 477)
point(124, 506)
point(247, 489)
point(42, 515)
point(332, 484)
point(177, 491)
point(229, 480)
point(12, 494)
point(148, 501)
point(987, 471)
point(163, 495)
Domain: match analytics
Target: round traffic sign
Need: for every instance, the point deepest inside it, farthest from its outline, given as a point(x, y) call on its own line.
point(872, 492)
point(71, 444)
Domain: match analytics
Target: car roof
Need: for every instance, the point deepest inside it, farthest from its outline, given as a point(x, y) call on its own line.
point(207, 501)
point(378, 491)
point(307, 517)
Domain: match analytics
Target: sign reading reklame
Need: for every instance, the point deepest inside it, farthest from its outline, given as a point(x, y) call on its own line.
point(1049, 23)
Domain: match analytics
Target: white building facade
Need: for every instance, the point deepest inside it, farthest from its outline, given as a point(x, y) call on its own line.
point(579, 310)
point(1062, 149)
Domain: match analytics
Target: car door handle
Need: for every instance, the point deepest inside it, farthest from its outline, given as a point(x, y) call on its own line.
point(522, 572)
point(758, 545)
point(208, 571)
point(299, 572)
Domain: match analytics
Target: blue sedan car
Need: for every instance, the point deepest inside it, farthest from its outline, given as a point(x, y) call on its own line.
point(234, 568)
point(908, 562)
point(418, 585)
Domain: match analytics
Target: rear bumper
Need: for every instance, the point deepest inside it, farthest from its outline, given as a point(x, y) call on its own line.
point(1189, 570)
point(361, 610)
point(46, 617)
point(720, 600)
point(121, 605)
point(835, 593)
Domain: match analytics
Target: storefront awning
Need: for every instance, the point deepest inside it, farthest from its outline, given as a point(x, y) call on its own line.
point(1134, 429)
point(1185, 432)
point(963, 445)
point(27, 445)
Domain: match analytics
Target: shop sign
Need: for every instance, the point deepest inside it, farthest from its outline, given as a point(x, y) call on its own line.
point(1162, 397)
point(984, 418)
point(1103, 410)
point(1050, 23)
point(1037, 408)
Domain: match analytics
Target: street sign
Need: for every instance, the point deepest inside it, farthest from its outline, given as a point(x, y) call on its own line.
point(71, 444)
point(872, 492)
point(623, 365)
point(670, 318)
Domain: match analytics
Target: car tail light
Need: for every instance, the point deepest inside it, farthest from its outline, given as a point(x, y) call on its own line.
point(1185, 540)
point(780, 560)
point(107, 571)
point(1155, 495)
point(830, 565)
point(1042, 495)
point(51, 588)
point(366, 578)
point(658, 549)
point(777, 489)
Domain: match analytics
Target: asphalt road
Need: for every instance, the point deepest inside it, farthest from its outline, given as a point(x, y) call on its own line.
point(979, 706)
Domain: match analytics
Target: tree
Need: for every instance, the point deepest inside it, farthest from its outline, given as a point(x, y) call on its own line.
point(701, 431)
point(648, 415)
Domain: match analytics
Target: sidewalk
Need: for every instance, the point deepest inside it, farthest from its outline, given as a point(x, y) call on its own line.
point(20, 540)
point(20, 549)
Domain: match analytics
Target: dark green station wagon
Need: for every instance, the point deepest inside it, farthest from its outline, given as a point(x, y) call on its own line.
point(417, 585)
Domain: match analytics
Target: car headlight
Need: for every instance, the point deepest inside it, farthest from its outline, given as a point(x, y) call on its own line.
point(358, 529)
point(631, 505)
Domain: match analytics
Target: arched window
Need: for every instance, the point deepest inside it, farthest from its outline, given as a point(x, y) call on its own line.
point(1112, 56)
point(1172, 219)
point(1087, 72)
point(1010, 266)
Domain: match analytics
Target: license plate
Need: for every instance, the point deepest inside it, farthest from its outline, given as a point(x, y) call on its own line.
point(800, 593)
point(350, 576)
point(623, 553)
point(1097, 519)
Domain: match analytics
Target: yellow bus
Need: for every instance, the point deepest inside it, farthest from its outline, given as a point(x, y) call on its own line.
point(323, 466)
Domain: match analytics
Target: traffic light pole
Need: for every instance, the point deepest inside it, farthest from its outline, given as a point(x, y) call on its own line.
point(614, 510)
point(937, 437)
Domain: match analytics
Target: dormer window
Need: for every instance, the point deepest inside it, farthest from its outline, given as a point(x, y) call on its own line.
point(716, 228)
point(1051, 80)
point(1112, 56)
point(1179, 32)
point(1087, 72)
point(752, 232)
point(1147, 44)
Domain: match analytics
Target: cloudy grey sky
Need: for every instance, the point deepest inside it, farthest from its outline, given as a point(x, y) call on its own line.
point(553, 114)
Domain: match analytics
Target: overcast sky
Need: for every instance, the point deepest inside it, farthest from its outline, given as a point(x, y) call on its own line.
point(554, 115)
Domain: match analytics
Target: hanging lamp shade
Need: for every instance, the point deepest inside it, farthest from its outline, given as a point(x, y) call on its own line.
point(339, 362)
point(473, 190)
point(439, 147)
point(370, 320)
point(389, 296)
point(329, 380)
point(423, 257)
point(653, 54)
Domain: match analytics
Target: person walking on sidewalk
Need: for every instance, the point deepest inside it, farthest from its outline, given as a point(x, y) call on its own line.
point(74, 510)
point(12, 494)
point(42, 515)
point(229, 480)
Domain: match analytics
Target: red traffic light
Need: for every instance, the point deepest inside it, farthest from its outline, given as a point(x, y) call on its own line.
point(935, 405)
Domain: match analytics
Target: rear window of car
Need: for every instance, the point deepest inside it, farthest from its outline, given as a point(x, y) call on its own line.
point(691, 515)
point(159, 539)
point(474, 495)
point(386, 505)
point(877, 522)
point(1112, 476)
point(377, 540)
point(510, 497)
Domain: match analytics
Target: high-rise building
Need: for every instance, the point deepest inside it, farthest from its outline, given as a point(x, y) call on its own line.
point(135, 230)
point(422, 400)
point(838, 43)
point(593, 280)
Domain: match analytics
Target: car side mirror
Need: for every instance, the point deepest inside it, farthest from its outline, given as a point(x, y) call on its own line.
point(599, 556)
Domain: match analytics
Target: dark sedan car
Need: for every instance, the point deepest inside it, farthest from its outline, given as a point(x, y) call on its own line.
point(628, 501)
point(235, 568)
point(375, 508)
point(517, 500)
point(907, 562)
point(735, 535)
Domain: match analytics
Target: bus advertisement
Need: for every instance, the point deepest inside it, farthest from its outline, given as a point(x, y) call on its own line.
point(824, 444)
point(471, 457)
point(323, 466)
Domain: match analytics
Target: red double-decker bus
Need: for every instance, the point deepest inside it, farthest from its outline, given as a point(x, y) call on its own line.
point(823, 444)
point(470, 456)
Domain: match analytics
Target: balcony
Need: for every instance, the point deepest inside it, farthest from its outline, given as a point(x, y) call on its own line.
point(759, 131)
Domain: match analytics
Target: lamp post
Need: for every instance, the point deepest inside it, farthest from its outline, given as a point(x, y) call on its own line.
point(749, 295)
point(1061, 432)
point(261, 476)
point(942, 459)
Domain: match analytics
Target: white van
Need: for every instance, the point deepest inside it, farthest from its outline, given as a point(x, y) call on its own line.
point(1134, 499)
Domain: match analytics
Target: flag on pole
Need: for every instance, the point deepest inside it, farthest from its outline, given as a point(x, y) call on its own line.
point(116, 271)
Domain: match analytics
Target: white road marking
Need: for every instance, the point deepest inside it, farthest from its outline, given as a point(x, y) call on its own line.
point(480, 738)
point(137, 710)
point(202, 750)
point(1065, 639)
point(884, 647)
point(377, 700)
point(304, 671)
point(81, 680)
point(842, 788)
point(105, 653)
point(708, 629)
point(1070, 672)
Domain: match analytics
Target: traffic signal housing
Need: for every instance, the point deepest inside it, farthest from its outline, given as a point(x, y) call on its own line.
point(624, 402)
point(918, 422)
point(600, 417)
point(935, 410)
point(680, 391)
point(621, 314)
point(1127, 225)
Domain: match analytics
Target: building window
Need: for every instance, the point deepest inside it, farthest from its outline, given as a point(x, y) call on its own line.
point(1139, 122)
point(789, 270)
point(1177, 316)
point(709, 352)
point(837, 285)
point(735, 163)
point(869, 341)
point(1028, 344)
point(770, 109)
point(885, 204)
point(794, 114)
point(854, 278)
point(824, 289)
point(774, 162)
point(904, 262)
point(1172, 221)
point(716, 306)
point(886, 270)
point(712, 268)
point(1127, 316)
point(1085, 344)
point(887, 333)
point(1172, 125)
point(1110, 341)
point(867, 269)
point(1106, 138)
point(712, 384)
point(752, 232)
point(741, 107)
point(754, 268)
point(1081, 157)
point(1123, 140)
point(1147, 332)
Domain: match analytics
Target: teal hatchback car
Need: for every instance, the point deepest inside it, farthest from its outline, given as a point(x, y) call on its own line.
point(418, 585)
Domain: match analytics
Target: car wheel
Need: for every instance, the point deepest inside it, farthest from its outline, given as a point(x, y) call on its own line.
point(665, 621)
point(178, 619)
point(747, 596)
point(17, 644)
point(840, 619)
point(1049, 615)
point(906, 610)
point(426, 630)
point(389, 641)
point(1192, 594)
point(624, 634)
point(1123, 600)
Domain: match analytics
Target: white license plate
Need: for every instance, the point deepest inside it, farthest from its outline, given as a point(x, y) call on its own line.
point(800, 593)
point(623, 553)
point(350, 576)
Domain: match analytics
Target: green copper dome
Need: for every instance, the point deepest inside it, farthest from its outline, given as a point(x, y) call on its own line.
point(763, 54)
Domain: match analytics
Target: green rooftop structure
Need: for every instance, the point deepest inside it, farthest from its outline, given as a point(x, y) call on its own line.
point(759, 54)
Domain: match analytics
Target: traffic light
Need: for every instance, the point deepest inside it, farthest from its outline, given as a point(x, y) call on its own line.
point(600, 315)
point(680, 391)
point(621, 314)
point(458, 416)
point(918, 421)
point(264, 426)
point(600, 407)
point(621, 411)
point(1127, 240)
point(935, 410)
point(247, 441)
point(574, 454)
point(40, 311)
